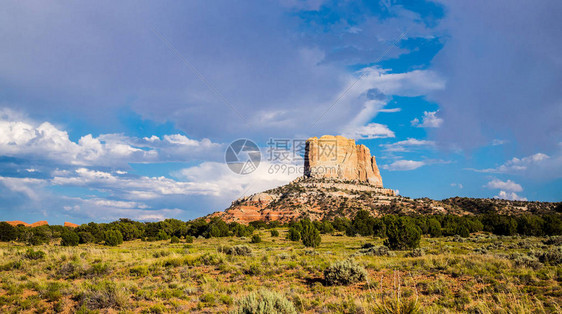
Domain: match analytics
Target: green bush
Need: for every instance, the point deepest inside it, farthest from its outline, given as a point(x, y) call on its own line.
point(552, 257)
point(175, 239)
point(189, 239)
point(104, 295)
point(242, 250)
point(113, 237)
point(7, 232)
point(86, 237)
point(274, 233)
point(34, 255)
point(256, 238)
point(415, 253)
point(294, 234)
point(375, 250)
point(310, 235)
point(69, 238)
point(402, 234)
point(264, 302)
point(345, 272)
point(434, 228)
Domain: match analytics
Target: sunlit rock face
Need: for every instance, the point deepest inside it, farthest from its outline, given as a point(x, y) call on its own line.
point(339, 158)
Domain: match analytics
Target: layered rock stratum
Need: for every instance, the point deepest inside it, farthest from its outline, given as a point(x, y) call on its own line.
point(339, 158)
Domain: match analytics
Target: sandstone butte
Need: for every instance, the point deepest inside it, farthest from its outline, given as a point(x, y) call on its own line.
point(70, 224)
point(35, 224)
point(339, 158)
point(39, 223)
point(330, 162)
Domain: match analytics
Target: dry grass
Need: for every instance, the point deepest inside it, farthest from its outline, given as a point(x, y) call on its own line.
point(162, 277)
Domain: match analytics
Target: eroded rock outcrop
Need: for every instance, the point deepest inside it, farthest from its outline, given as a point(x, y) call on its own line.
point(340, 178)
point(339, 158)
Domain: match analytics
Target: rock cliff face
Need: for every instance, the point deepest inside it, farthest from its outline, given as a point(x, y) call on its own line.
point(339, 158)
point(339, 178)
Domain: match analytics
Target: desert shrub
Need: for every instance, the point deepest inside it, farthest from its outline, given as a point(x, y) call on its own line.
point(113, 237)
point(34, 255)
point(462, 231)
point(310, 235)
point(294, 234)
point(241, 250)
point(255, 238)
point(345, 272)
point(11, 265)
point(551, 257)
point(52, 291)
point(367, 245)
point(98, 269)
point(398, 305)
point(39, 235)
point(253, 269)
point(162, 235)
point(69, 238)
point(7, 232)
point(86, 237)
point(553, 240)
point(70, 270)
point(417, 252)
point(375, 250)
point(210, 259)
point(434, 228)
point(264, 302)
point(524, 260)
point(104, 295)
point(189, 239)
point(311, 252)
point(175, 239)
point(274, 233)
point(402, 234)
point(140, 271)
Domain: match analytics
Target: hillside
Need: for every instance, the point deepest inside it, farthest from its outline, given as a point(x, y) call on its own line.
point(320, 199)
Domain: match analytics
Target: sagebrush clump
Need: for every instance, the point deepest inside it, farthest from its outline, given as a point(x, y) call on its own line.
point(264, 302)
point(375, 250)
point(345, 272)
point(241, 250)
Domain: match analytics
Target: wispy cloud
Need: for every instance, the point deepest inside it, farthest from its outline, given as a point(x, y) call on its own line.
point(369, 131)
point(404, 165)
point(406, 145)
point(517, 165)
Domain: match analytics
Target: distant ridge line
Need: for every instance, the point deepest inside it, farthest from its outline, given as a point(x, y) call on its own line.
point(16, 223)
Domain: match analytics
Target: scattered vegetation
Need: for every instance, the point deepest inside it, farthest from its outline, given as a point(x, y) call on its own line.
point(264, 302)
point(345, 272)
point(365, 264)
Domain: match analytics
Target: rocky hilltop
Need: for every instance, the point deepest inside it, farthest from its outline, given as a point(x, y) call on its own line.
point(342, 178)
point(339, 158)
point(337, 172)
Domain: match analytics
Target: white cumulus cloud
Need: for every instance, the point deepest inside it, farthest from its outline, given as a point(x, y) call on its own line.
point(403, 165)
point(429, 120)
point(406, 145)
point(45, 141)
point(369, 131)
point(504, 185)
point(510, 196)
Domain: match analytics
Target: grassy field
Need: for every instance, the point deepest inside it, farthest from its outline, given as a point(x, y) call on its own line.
point(480, 274)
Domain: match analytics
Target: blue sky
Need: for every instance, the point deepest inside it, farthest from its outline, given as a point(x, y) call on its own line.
point(125, 110)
